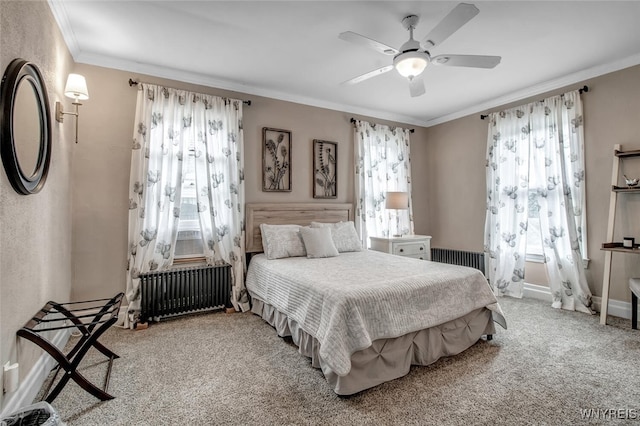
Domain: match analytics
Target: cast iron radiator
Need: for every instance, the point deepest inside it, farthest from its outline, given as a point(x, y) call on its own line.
point(458, 257)
point(181, 291)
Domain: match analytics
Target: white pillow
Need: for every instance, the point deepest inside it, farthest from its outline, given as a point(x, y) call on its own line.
point(344, 234)
point(318, 242)
point(279, 241)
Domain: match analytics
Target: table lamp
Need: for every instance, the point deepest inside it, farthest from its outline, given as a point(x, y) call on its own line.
point(397, 200)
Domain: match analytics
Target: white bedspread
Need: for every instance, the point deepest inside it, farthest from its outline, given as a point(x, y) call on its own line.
point(347, 302)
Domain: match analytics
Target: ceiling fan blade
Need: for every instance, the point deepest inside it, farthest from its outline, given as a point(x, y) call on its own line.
point(368, 75)
point(460, 15)
point(366, 41)
point(416, 87)
point(473, 61)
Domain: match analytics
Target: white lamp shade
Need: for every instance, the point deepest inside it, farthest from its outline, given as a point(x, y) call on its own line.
point(397, 200)
point(76, 87)
point(410, 64)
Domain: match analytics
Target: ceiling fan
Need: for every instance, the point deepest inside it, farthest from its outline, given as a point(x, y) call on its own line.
point(413, 57)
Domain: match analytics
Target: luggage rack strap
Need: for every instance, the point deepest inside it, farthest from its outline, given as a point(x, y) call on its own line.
point(100, 322)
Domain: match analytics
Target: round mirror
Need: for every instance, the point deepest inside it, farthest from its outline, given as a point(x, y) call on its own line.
point(25, 127)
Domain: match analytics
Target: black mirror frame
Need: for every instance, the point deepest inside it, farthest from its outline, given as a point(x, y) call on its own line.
point(17, 71)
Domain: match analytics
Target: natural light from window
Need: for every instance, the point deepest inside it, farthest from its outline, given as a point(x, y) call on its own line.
point(189, 240)
point(534, 235)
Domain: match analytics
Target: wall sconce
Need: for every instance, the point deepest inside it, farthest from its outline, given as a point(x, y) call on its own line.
point(397, 200)
point(75, 89)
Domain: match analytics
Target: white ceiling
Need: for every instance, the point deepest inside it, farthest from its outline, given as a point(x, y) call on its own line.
point(290, 49)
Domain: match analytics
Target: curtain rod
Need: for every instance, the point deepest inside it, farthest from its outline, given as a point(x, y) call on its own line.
point(135, 83)
point(582, 90)
point(353, 120)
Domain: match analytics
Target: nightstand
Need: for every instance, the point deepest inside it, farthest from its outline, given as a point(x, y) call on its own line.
point(415, 246)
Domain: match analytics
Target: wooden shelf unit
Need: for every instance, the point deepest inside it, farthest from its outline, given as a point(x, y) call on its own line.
point(610, 248)
point(624, 189)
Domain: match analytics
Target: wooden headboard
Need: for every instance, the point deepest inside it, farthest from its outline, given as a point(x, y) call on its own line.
point(290, 213)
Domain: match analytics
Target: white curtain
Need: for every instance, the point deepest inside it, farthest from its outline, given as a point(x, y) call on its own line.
point(220, 185)
point(507, 200)
point(167, 122)
point(537, 150)
point(383, 164)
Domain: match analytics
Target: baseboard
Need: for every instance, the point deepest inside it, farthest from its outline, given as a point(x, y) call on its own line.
point(539, 292)
point(617, 308)
point(32, 383)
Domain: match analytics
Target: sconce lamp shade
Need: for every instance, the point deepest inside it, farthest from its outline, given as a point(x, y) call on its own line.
point(397, 200)
point(76, 87)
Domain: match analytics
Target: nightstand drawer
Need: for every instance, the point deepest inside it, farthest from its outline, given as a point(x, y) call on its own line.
point(422, 256)
point(415, 246)
point(409, 249)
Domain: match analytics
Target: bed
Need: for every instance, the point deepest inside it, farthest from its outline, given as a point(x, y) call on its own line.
point(362, 317)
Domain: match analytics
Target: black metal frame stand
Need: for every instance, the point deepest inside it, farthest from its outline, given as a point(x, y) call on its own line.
point(90, 332)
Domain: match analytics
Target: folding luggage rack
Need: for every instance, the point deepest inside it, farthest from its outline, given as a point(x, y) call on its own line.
point(55, 316)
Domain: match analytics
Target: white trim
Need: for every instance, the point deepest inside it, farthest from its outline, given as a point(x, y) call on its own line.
point(60, 14)
point(32, 383)
point(538, 89)
point(208, 81)
point(534, 258)
point(537, 258)
point(195, 78)
point(617, 308)
point(539, 292)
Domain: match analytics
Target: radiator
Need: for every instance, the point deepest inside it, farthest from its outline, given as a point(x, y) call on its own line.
point(181, 291)
point(458, 257)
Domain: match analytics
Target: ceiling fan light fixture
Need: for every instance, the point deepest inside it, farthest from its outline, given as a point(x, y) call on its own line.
point(410, 64)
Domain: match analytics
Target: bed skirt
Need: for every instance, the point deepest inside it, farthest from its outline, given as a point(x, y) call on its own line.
point(385, 359)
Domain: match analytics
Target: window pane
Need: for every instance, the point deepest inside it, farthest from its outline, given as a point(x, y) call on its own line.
point(189, 240)
point(534, 237)
point(188, 244)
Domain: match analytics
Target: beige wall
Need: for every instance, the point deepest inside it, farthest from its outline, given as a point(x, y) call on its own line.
point(448, 163)
point(455, 160)
point(102, 160)
point(69, 240)
point(35, 231)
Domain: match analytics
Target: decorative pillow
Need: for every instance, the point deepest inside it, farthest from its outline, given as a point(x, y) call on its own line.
point(279, 241)
point(318, 242)
point(344, 235)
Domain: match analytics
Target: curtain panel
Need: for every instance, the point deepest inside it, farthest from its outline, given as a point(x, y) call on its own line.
point(536, 152)
point(507, 200)
point(382, 157)
point(172, 124)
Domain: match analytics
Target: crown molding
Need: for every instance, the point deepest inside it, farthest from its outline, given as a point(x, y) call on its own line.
point(60, 15)
point(538, 89)
point(205, 80)
point(59, 12)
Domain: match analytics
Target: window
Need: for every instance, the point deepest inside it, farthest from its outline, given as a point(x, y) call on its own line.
point(383, 164)
point(534, 249)
point(189, 239)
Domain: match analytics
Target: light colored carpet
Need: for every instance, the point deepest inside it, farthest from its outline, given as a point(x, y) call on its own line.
point(233, 369)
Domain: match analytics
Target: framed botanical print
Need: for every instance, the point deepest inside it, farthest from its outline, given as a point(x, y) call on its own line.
point(276, 160)
point(325, 169)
